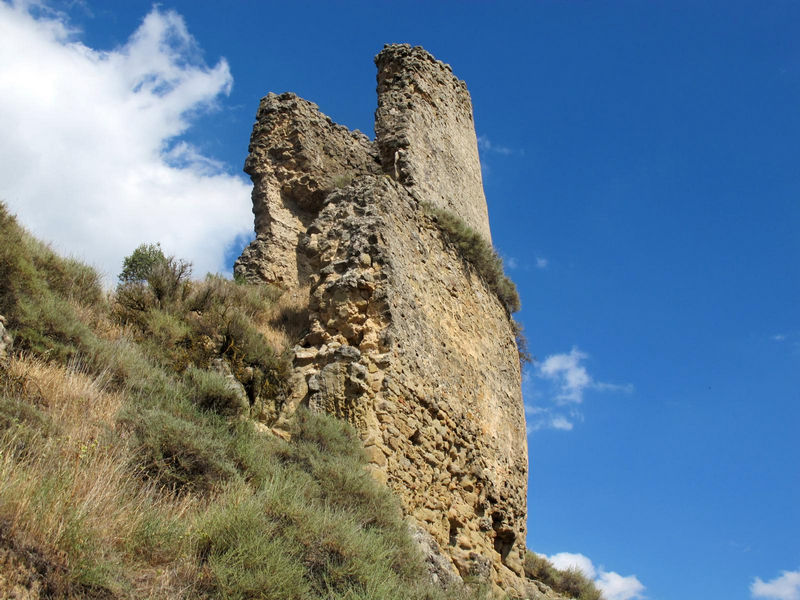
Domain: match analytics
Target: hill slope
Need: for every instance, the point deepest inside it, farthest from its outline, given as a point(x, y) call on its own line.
point(132, 463)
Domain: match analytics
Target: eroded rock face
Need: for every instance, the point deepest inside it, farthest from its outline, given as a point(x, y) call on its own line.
point(6, 341)
point(406, 340)
point(297, 156)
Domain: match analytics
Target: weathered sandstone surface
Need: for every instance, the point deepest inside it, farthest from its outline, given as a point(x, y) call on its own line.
point(6, 340)
point(426, 134)
point(406, 341)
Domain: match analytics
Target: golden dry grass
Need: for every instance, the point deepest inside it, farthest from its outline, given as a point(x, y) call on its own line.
point(287, 320)
point(72, 493)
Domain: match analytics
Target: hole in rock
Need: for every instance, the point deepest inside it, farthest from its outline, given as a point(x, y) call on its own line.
point(454, 527)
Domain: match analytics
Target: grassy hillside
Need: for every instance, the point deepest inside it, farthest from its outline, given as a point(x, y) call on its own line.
point(131, 460)
point(130, 466)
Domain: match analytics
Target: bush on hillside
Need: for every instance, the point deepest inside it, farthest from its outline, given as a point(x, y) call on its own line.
point(186, 324)
point(148, 272)
point(140, 264)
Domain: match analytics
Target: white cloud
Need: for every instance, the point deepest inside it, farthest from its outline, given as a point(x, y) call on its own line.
point(513, 263)
point(779, 337)
point(561, 422)
point(90, 158)
point(616, 587)
point(539, 417)
point(572, 378)
point(784, 587)
point(613, 585)
point(553, 396)
point(568, 373)
point(568, 560)
point(486, 145)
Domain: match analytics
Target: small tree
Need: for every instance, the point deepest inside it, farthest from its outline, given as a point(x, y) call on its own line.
point(148, 273)
point(140, 264)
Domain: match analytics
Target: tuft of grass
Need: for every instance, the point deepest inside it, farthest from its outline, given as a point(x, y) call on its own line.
point(478, 252)
point(343, 180)
point(571, 583)
point(213, 391)
point(178, 453)
point(525, 357)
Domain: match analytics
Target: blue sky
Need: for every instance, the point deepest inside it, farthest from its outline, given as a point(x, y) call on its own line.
point(640, 165)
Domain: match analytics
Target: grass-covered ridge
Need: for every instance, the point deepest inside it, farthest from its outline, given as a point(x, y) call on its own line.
point(131, 465)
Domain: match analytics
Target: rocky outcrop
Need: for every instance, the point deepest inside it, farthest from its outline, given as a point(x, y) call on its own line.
point(406, 341)
point(297, 156)
point(6, 341)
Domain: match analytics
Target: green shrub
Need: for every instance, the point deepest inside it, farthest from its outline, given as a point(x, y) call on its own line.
point(213, 391)
point(140, 264)
point(310, 523)
point(331, 452)
point(178, 453)
point(472, 246)
point(166, 277)
point(169, 280)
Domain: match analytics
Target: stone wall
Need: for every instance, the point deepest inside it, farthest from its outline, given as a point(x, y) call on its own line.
point(425, 132)
point(296, 157)
point(406, 341)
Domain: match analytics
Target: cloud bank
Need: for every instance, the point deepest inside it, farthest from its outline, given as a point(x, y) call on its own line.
point(613, 585)
point(556, 388)
point(91, 157)
point(784, 587)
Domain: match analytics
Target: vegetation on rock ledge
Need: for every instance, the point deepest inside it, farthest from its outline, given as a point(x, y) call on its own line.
point(570, 583)
point(479, 253)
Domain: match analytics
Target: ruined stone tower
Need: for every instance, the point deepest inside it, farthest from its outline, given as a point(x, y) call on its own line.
point(406, 340)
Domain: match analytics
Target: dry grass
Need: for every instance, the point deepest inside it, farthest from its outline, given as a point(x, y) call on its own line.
point(286, 322)
point(72, 494)
point(101, 322)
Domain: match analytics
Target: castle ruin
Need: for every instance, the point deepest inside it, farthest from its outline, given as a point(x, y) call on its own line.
point(406, 341)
